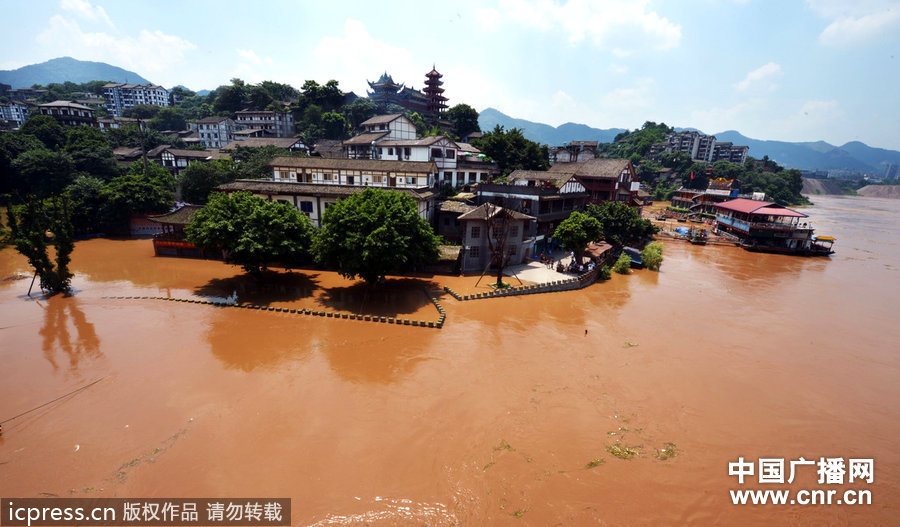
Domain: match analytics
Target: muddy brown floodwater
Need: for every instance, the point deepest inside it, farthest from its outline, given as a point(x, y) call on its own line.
point(492, 420)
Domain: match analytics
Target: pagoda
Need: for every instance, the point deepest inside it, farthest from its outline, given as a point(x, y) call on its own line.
point(384, 90)
point(437, 103)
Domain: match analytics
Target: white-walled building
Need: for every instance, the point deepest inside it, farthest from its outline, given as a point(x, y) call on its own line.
point(120, 97)
point(393, 138)
point(312, 184)
point(215, 132)
point(277, 124)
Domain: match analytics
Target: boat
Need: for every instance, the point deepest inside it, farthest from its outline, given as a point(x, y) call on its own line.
point(762, 226)
point(698, 236)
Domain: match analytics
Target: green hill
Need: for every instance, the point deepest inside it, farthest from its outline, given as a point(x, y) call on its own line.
point(67, 69)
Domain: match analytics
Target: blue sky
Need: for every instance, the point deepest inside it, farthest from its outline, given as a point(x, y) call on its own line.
point(786, 70)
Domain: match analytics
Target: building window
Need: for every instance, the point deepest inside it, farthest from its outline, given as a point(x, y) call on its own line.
point(406, 151)
point(475, 233)
point(306, 206)
point(513, 231)
point(436, 152)
point(450, 153)
point(473, 251)
point(513, 250)
point(390, 151)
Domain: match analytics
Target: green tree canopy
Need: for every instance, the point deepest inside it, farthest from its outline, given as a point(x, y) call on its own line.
point(141, 111)
point(168, 119)
point(464, 119)
point(133, 194)
point(620, 223)
point(511, 150)
point(12, 146)
point(252, 231)
point(359, 111)
point(30, 224)
point(90, 152)
point(199, 179)
point(253, 162)
point(86, 205)
point(373, 234)
point(231, 99)
point(46, 129)
point(577, 231)
point(334, 126)
point(42, 172)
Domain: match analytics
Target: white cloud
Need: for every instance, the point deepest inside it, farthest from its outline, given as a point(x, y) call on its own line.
point(87, 11)
point(636, 97)
point(357, 55)
point(627, 25)
point(857, 22)
point(618, 68)
point(715, 119)
point(251, 68)
point(250, 56)
point(760, 77)
point(150, 53)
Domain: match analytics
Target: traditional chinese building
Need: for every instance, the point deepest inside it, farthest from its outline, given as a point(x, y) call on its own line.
point(431, 101)
point(437, 103)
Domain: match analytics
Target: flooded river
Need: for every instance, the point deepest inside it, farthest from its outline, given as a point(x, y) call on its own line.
point(503, 417)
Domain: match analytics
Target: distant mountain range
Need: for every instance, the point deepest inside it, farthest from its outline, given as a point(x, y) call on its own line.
point(819, 155)
point(67, 69)
point(544, 133)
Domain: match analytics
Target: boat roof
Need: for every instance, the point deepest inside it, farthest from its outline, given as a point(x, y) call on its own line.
point(762, 208)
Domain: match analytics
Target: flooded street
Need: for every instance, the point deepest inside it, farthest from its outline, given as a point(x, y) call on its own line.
point(492, 420)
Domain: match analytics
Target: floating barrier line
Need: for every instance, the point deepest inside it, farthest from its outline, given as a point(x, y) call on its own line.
point(442, 315)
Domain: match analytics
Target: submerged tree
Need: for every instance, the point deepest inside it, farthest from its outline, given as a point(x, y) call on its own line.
point(31, 225)
point(373, 234)
point(252, 231)
point(621, 223)
point(577, 231)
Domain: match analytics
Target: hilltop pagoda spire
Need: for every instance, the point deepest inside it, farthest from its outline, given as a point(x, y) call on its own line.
point(437, 103)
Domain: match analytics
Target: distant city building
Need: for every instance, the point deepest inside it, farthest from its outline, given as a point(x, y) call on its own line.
point(731, 153)
point(814, 174)
point(14, 112)
point(25, 94)
point(573, 152)
point(120, 97)
point(69, 113)
point(431, 101)
point(701, 148)
point(274, 124)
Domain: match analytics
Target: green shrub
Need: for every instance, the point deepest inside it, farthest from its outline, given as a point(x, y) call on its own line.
point(604, 273)
point(623, 264)
point(652, 256)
